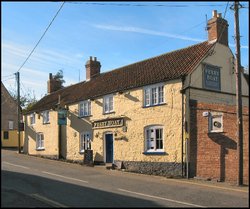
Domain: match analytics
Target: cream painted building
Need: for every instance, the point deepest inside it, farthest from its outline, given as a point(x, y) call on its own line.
point(9, 122)
point(170, 115)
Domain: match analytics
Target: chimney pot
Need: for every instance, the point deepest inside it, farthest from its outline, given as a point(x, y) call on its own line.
point(53, 85)
point(92, 68)
point(219, 15)
point(218, 29)
point(215, 13)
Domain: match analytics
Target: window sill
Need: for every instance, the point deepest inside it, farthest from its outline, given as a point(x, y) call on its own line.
point(46, 123)
point(154, 153)
point(40, 149)
point(216, 132)
point(154, 105)
point(106, 113)
point(85, 116)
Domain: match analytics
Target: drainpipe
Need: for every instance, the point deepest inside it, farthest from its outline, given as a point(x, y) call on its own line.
point(182, 123)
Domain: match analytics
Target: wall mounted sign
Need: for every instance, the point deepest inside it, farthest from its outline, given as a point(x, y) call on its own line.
point(62, 117)
point(211, 77)
point(108, 123)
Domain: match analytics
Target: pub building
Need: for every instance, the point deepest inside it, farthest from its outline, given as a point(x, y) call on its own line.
point(169, 115)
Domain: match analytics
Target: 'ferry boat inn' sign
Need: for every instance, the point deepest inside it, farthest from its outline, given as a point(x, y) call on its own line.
point(108, 123)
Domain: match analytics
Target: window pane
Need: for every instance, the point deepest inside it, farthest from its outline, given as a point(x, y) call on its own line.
point(147, 97)
point(161, 94)
point(111, 103)
point(154, 96)
point(89, 108)
point(11, 125)
point(5, 135)
point(159, 142)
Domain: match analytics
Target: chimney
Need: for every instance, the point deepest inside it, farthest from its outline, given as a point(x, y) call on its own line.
point(218, 29)
point(92, 68)
point(53, 84)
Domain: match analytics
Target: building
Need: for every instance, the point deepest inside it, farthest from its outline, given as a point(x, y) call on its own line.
point(9, 122)
point(170, 115)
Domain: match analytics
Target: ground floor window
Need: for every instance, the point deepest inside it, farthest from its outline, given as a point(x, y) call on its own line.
point(154, 139)
point(5, 135)
point(39, 141)
point(85, 141)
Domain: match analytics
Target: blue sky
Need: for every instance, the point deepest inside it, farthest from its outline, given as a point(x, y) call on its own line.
point(117, 33)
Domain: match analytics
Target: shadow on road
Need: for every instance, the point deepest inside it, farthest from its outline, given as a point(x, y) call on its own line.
point(19, 190)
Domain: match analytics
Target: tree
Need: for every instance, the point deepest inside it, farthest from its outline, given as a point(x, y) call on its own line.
point(59, 76)
point(26, 101)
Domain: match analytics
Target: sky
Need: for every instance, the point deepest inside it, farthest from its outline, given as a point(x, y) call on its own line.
point(117, 33)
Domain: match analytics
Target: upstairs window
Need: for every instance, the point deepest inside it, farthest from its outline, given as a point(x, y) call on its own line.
point(84, 108)
point(11, 125)
point(45, 115)
point(154, 139)
point(154, 95)
point(108, 104)
point(32, 118)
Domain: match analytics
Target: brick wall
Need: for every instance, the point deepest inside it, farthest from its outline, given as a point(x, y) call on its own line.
point(215, 155)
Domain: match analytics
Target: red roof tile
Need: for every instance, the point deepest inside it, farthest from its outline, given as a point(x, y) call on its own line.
point(169, 66)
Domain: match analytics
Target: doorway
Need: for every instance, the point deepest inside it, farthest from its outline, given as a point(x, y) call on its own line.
point(109, 147)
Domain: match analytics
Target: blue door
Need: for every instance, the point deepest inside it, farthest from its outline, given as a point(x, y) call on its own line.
point(109, 148)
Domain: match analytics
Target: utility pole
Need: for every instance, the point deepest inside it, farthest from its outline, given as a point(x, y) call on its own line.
point(238, 93)
point(18, 111)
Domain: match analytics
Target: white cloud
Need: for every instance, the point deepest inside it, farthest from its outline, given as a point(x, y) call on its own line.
point(145, 31)
point(152, 32)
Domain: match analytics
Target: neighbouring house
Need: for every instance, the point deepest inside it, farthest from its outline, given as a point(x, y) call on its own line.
point(170, 115)
point(9, 121)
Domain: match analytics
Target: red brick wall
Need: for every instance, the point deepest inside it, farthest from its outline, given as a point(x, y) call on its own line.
point(215, 155)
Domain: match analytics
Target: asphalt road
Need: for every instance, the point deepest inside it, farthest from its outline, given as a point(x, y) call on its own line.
point(28, 181)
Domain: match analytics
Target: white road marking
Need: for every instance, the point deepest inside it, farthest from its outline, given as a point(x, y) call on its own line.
point(15, 165)
point(48, 201)
point(162, 198)
point(53, 174)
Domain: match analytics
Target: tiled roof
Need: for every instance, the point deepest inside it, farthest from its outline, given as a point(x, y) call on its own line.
point(169, 66)
point(246, 77)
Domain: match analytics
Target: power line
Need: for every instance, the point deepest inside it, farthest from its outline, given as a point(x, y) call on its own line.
point(41, 37)
point(146, 5)
point(8, 75)
point(8, 79)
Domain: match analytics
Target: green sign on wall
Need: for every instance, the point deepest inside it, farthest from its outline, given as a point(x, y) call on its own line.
point(62, 117)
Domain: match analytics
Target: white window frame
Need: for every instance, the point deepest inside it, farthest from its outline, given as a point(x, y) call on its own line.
point(45, 115)
point(32, 118)
point(85, 141)
point(11, 124)
point(108, 103)
point(84, 108)
point(39, 141)
point(151, 138)
point(153, 95)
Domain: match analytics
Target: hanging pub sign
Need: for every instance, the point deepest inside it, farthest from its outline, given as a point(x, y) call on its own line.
point(211, 77)
point(107, 123)
point(62, 117)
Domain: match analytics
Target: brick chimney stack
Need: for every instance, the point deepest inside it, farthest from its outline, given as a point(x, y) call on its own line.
point(93, 68)
point(53, 84)
point(218, 29)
